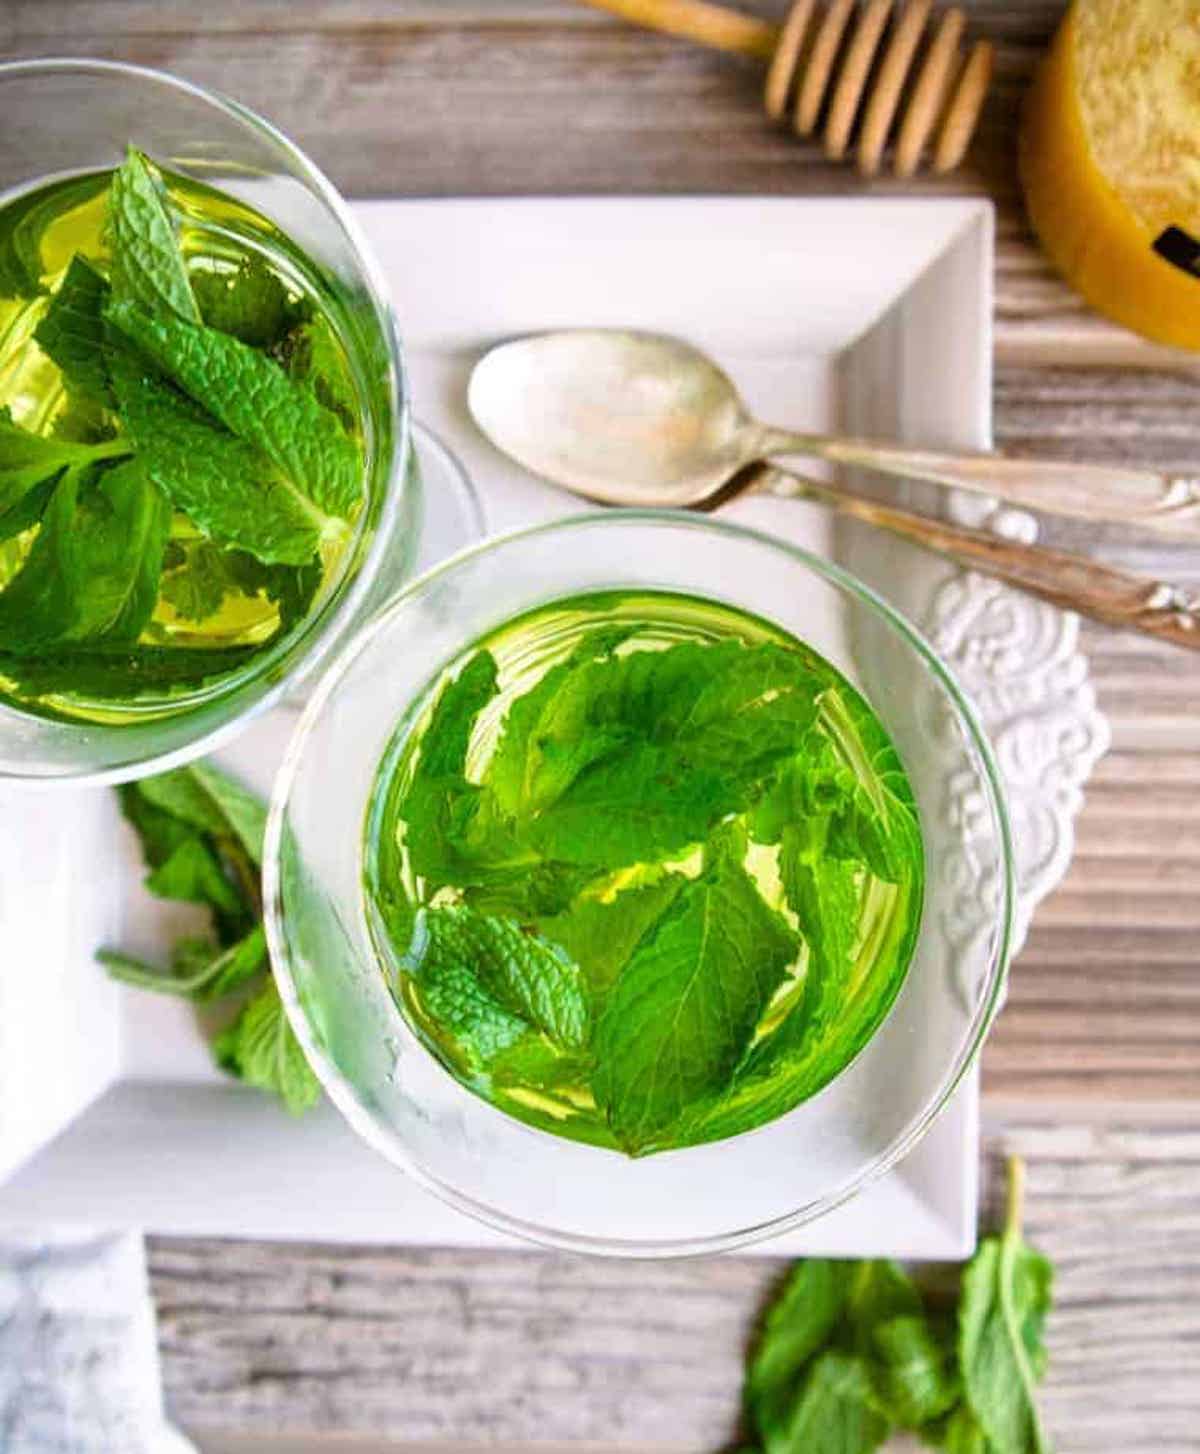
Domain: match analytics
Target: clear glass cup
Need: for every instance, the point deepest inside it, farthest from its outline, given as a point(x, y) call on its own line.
point(525, 1181)
point(65, 117)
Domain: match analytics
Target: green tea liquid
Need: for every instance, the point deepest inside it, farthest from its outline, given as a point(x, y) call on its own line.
point(644, 871)
point(203, 606)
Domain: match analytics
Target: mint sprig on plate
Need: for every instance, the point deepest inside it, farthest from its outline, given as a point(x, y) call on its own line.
point(850, 1352)
point(201, 834)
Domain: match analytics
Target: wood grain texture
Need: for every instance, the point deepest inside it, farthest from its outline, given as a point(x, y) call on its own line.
point(462, 1350)
point(1094, 1068)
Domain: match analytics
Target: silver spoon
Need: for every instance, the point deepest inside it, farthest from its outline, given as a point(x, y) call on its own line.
point(622, 415)
point(640, 419)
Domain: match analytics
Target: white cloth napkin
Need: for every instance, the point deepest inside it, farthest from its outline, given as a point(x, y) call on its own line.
point(79, 1370)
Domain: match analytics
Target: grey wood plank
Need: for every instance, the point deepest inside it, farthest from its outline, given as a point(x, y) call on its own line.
point(534, 1349)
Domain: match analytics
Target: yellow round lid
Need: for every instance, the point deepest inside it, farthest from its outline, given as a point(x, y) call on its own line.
point(1110, 161)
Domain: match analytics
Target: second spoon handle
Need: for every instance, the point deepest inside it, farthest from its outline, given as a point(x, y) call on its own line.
point(1103, 494)
point(1115, 597)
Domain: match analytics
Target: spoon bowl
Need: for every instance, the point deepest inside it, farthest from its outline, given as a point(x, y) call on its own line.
point(625, 418)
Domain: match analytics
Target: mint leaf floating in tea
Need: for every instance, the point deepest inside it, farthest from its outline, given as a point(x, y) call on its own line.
point(166, 338)
point(72, 332)
point(202, 838)
point(310, 354)
point(616, 797)
point(147, 262)
point(248, 302)
point(92, 572)
point(28, 460)
point(222, 484)
point(528, 977)
point(256, 401)
point(687, 1003)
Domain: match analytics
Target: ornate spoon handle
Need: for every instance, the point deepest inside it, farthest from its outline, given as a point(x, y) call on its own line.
point(1115, 597)
point(1147, 499)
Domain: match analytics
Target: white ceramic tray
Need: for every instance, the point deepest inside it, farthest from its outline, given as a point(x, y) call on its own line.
point(875, 315)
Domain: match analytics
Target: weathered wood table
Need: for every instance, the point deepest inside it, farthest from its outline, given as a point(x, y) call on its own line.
point(1094, 1070)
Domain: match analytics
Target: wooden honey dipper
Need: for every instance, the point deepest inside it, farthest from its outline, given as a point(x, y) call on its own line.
point(865, 75)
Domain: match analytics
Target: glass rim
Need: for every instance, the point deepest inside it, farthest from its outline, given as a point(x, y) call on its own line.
point(347, 1099)
point(341, 608)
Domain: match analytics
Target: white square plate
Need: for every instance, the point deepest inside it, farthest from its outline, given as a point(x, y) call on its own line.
point(871, 315)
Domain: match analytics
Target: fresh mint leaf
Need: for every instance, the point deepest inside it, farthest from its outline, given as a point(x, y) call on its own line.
point(102, 671)
point(688, 735)
point(261, 1049)
point(506, 880)
point(243, 813)
point(878, 1291)
point(528, 977)
point(195, 853)
point(223, 484)
point(685, 1008)
point(205, 574)
point(477, 1025)
point(534, 1063)
point(960, 1433)
point(159, 831)
point(825, 894)
point(72, 332)
point(122, 524)
point(545, 741)
point(833, 1411)
point(249, 302)
point(193, 874)
point(292, 588)
point(83, 420)
point(799, 1323)
point(207, 799)
point(198, 584)
point(27, 511)
point(200, 970)
point(256, 401)
point(180, 794)
point(201, 835)
point(148, 267)
point(28, 460)
point(600, 935)
point(1006, 1291)
point(440, 803)
point(311, 355)
point(92, 571)
point(913, 1370)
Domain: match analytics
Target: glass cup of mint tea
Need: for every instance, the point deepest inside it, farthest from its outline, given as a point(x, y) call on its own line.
point(205, 462)
point(661, 896)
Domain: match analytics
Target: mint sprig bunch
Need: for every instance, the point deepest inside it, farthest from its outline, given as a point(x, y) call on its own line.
point(574, 922)
point(191, 392)
point(851, 1352)
point(202, 839)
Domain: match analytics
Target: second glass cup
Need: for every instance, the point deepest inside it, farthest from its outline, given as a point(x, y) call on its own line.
point(69, 121)
point(336, 982)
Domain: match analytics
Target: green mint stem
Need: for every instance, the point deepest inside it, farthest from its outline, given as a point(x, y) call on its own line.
point(113, 449)
point(1015, 1215)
